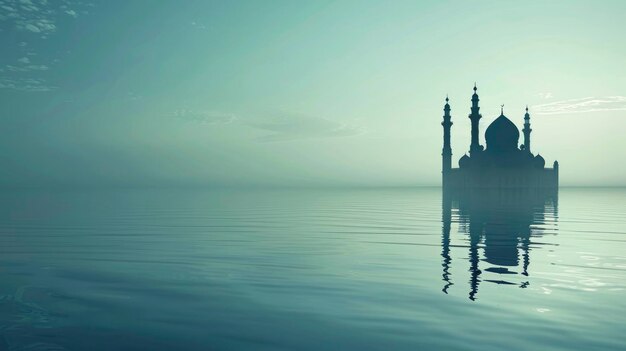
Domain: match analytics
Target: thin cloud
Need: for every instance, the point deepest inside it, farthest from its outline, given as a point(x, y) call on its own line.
point(31, 20)
point(26, 68)
point(205, 117)
point(37, 16)
point(278, 126)
point(25, 84)
point(36, 25)
point(197, 25)
point(582, 105)
point(287, 127)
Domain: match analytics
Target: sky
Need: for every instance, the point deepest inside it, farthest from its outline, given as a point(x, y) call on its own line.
point(301, 93)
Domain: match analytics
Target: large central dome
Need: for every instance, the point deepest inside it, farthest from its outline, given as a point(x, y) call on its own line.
point(502, 135)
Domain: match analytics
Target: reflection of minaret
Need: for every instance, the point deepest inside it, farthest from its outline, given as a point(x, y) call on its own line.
point(525, 254)
point(475, 231)
point(524, 238)
point(446, 153)
point(475, 117)
point(446, 219)
point(527, 131)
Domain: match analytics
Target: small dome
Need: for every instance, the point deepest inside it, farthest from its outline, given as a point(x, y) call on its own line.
point(502, 135)
point(464, 161)
point(539, 161)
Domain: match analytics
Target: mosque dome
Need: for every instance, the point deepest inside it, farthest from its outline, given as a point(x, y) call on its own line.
point(539, 161)
point(464, 161)
point(502, 135)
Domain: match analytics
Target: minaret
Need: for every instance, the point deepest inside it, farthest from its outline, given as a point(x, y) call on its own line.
point(556, 174)
point(475, 117)
point(527, 131)
point(447, 149)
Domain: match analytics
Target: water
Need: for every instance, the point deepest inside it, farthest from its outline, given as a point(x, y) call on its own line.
point(340, 269)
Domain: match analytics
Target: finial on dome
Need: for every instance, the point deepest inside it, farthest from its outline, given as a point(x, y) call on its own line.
point(447, 98)
point(526, 108)
point(502, 110)
point(475, 87)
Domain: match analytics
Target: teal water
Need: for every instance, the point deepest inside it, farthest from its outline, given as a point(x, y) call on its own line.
point(339, 269)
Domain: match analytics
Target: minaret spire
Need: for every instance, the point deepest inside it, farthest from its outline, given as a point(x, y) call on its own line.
point(527, 131)
point(446, 153)
point(475, 116)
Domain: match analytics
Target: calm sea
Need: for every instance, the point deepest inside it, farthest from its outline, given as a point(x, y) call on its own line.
point(336, 269)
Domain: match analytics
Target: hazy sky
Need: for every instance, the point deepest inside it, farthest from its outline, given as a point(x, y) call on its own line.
point(301, 92)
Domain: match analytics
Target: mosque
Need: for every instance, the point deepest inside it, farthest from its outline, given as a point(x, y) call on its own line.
point(502, 164)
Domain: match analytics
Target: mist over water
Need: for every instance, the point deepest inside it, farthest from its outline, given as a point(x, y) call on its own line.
point(283, 93)
point(345, 269)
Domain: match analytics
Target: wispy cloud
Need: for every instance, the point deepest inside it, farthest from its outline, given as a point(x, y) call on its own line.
point(24, 65)
point(30, 21)
point(25, 84)
point(582, 105)
point(277, 126)
point(36, 16)
point(205, 117)
point(285, 127)
point(197, 25)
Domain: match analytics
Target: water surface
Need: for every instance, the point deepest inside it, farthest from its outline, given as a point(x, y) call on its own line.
point(335, 269)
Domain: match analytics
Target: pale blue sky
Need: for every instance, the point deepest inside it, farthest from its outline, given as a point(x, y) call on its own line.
point(300, 93)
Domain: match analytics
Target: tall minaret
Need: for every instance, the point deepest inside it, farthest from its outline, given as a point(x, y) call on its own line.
point(527, 131)
point(446, 153)
point(475, 117)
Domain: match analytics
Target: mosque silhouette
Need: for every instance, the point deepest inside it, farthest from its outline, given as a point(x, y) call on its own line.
point(502, 165)
point(500, 197)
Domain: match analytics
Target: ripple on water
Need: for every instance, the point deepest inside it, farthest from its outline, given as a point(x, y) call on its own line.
point(310, 269)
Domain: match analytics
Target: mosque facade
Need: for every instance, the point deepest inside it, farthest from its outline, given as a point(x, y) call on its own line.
point(502, 164)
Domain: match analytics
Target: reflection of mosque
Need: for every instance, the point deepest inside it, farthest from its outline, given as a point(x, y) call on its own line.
point(499, 226)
